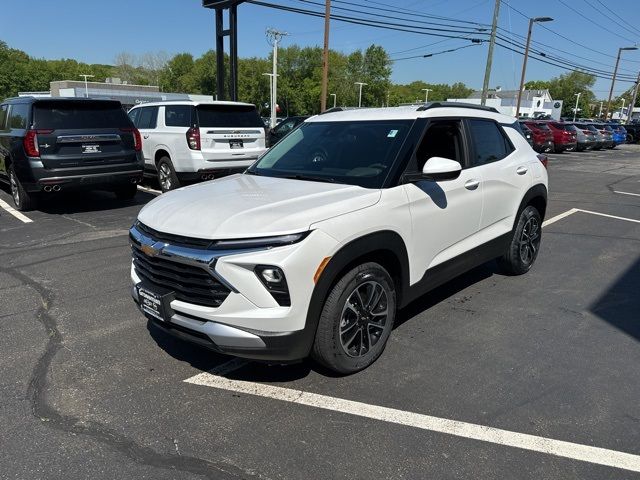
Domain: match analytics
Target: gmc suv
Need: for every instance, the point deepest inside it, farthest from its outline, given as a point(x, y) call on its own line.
point(53, 144)
point(348, 218)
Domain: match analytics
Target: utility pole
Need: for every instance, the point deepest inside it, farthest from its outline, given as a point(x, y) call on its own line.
point(526, 56)
point(622, 109)
point(633, 99)
point(492, 42)
point(600, 113)
point(360, 94)
point(325, 56)
point(274, 36)
point(575, 110)
point(426, 94)
point(613, 80)
point(335, 97)
point(86, 88)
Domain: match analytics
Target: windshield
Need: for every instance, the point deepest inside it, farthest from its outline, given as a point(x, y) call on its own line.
point(233, 116)
point(355, 153)
point(80, 115)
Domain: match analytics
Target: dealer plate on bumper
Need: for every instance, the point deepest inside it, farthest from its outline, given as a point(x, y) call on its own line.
point(156, 304)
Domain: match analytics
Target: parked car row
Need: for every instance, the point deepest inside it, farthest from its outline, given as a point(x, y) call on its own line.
point(553, 136)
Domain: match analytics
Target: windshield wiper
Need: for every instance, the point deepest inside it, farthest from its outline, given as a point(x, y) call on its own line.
point(311, 178)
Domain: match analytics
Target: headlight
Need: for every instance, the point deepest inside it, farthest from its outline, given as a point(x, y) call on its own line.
point(262, 242)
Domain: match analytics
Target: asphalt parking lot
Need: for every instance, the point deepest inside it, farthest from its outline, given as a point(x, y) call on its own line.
point(487, 377)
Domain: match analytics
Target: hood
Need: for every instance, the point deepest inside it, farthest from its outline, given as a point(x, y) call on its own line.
point(244, 206)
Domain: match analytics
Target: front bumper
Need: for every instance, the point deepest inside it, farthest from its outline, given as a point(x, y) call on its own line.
point(249, 322)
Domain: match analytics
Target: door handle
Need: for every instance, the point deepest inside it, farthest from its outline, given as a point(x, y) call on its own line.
point(471, 184)
point(145, 136)
point(521, 170)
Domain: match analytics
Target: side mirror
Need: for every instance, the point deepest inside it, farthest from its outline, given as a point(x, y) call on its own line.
point(439, 168)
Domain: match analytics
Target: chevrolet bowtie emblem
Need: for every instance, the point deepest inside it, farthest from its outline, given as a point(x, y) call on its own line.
point(150, 250)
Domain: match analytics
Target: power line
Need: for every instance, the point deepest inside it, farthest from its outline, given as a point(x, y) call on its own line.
point(436, 53)
point(633, 32)
point(618, 16)
point(597, 24)
point(591, 49)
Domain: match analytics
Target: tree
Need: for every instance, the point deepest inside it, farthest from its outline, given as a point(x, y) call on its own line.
point(565, 87)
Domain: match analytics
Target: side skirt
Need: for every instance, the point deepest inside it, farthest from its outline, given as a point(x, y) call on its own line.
point(440, 274)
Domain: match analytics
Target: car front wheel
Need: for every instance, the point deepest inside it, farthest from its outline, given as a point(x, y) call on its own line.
point(356, 320)
point(525, 243)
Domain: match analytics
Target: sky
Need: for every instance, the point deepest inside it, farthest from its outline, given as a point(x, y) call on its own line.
point(95, 32)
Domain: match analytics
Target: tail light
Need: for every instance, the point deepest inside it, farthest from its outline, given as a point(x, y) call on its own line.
point(543, 159)
point(193, 138)
point(137, 139)
point(30, 142)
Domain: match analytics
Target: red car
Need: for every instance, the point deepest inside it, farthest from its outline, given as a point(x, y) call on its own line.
point(542, 136)
point(564, 137)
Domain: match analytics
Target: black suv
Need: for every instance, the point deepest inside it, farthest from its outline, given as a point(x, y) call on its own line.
point(48, 145)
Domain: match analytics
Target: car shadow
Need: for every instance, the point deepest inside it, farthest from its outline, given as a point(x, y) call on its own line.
point(619, 305)
point(65, 203)
point(207, 360)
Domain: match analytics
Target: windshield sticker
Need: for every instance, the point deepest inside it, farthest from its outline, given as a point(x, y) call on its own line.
point(392, 133)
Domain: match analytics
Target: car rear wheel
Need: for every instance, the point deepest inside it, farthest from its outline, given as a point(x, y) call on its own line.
point(23, 200)
point(126, 192)
point(167, 177)
point(525, 243)
point(356, 320)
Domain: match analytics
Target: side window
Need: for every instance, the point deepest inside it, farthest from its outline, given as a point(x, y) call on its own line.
point(134, 115)
point(285, 127)
point(443, 139)
point(18, 116)
point(3, 116)
point(489, 142)
point(148, 117)
point(177, 115)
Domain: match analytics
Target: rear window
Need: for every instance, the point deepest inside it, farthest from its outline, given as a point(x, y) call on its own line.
point(228, 116)
point(542, 126)
point(177, 115)
point(80, 115)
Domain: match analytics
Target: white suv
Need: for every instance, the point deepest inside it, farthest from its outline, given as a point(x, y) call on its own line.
point(186, 141)
point(350, 217)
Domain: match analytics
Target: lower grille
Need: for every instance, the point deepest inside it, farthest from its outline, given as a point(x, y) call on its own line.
point(190, 283)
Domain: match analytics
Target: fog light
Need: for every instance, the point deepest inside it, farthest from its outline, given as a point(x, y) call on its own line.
point(275, 282)
point(272, 275)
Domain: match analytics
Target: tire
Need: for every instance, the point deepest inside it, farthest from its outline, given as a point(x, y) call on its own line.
point(167, 177)
point(525, 243)
point(363, 300)
point(126, 192)
point(23, 200)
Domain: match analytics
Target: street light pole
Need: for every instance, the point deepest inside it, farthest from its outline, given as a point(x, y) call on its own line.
point(334, 99)
point(86, 88)
point(526, 56)
point(575, 110)
point(613, 80)
point(275, 36)
point(622, 109)
point(426, 94)
point(360, 94)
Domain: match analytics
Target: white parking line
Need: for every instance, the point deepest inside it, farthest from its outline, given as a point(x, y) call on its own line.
point(627, 193)
point(20, 216)
point(560, 448)
point(610, 216)
point(149, 190)
point(559, 217)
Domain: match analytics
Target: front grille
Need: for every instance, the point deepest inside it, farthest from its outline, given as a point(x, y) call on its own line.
point(177, 240)
point(190, 283)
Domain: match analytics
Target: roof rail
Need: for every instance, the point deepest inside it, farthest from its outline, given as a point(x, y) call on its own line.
point(430, 105)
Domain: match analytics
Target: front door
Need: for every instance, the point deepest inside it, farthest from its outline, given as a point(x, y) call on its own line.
point(445, 214)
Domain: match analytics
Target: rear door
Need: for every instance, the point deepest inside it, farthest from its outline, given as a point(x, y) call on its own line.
point(230, 131)
point(146, 120)
point(4, 138)
point(83, 133)
point(506, 172)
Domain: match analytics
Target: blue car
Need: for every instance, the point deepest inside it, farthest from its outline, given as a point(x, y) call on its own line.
point(619, 133)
